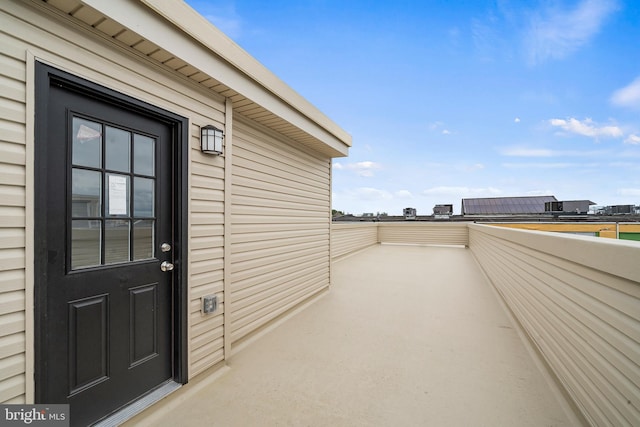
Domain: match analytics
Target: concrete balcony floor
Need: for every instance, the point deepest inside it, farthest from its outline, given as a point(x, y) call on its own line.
point(407, 336)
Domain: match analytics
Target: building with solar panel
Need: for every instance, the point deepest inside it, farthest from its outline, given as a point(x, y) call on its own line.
point(506, 205)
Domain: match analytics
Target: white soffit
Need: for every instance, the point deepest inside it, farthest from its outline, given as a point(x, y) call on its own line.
point(181, 39)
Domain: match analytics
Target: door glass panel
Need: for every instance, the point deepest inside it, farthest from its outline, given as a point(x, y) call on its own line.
point(117, 202)
point(118, 149)
point(87, 143)
point(85, 243)
point(86, 193)
point(143, 239)
point(116, 241)
point(143, 155)
point(143, 197)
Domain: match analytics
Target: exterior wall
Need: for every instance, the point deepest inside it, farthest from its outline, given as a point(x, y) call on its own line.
point(610, 230)
point(29, 34)
point(347, 238)
point(449, 233)
point(578, 299)
point(280, 211)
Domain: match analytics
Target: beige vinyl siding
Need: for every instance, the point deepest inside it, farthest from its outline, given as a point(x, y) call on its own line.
point(578, 299)
point(347, 238)
point(12, 220)
point(206, 256)
point(424, 233)
point(279, 226)
point(81, 51)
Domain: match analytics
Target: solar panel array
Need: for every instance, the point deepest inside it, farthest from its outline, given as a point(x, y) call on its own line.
point(505, 205)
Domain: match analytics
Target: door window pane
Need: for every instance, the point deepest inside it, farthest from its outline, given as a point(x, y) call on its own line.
point(117, 202)
point(143, 239)
point(116, 241)
point(85, 243)
point(143, 197)
point(87, 143)
point(143, 155)
point(118, 149)
point(86, 193)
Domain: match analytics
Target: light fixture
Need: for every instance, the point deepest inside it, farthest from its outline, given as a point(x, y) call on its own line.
point(211, 140)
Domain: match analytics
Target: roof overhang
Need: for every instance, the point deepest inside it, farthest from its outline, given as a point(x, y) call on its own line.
point(172, 33)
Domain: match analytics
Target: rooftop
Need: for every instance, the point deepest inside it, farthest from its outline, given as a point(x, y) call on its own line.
point(407, 335)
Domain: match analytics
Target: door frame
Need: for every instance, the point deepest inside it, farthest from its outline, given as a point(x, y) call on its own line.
point(45, 76)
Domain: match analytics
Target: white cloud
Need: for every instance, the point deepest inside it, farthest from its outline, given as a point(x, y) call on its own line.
point(516, 120)
point(550, 165)
point(632, 139)
point(446, 132)
point(628, 96)
point(365, 169)
point(555, 33)
point(403, 194)
point(634, 192)
point(461, 191)
point(546, 152)
point(526, 152)
point(586, 127)
point(473, 168)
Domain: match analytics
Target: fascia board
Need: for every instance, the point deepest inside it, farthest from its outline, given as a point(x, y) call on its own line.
point(193, 39)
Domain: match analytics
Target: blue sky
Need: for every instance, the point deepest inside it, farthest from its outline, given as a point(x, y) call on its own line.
point(452, 99)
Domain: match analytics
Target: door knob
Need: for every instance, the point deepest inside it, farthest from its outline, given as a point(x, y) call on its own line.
point(165, 247)
point(166, 266)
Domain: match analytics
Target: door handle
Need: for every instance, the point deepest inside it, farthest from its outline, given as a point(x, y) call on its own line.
point(166, 266)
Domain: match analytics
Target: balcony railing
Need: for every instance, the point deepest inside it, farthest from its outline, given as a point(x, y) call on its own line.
point(576, 298)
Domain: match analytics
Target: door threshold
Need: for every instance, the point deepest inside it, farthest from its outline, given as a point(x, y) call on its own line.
point(137, 406)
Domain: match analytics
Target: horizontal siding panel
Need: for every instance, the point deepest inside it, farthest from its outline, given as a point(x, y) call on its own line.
point(425, 233)
point(12, 195)
point(584, 321)
point(11, 345)
point(252, 295)
point(267, 147)
point(284, 272)
point(207, 253)
point(259, 267)
point(12, 132)
point(12, 388)
point(207, 230)
point(206, 357)
point(280, 231)
point(279, 241)
point(12, 366)
point(12, 110)
point(11, 302)
point(13, 89)
point(273, 184)
point(12, 259)
point(12, 323)
point(12, 238)
point(12, 175)
point(12, 216)
point(260, 319)
point(12, 68)
point(13, 153)
point(206, 242)
point(11, 280)
point(274, 171)
point(349, 238)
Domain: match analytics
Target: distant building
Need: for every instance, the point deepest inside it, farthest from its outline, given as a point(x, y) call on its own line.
point(506, 205)
point(409, 213)
point(443, 210)
point(569, 206)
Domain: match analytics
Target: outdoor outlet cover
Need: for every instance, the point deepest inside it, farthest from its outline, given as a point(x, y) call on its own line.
point(209, 304)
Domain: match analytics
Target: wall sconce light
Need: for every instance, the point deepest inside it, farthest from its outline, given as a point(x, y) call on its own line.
point(211, 140)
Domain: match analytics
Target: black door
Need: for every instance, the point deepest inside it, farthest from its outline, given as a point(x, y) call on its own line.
point(105, 286)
